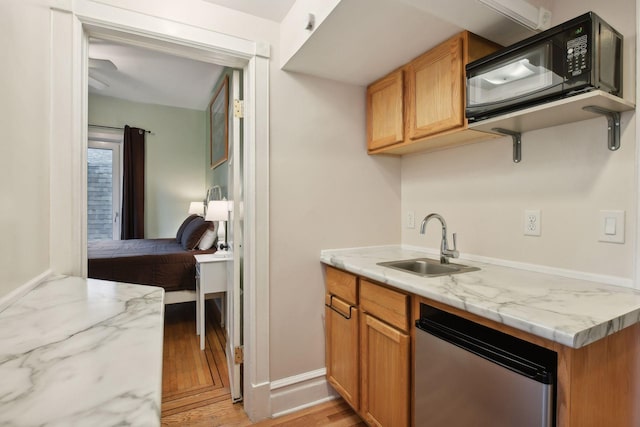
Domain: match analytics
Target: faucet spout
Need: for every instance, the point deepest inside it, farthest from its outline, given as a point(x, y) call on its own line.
point(445, 251)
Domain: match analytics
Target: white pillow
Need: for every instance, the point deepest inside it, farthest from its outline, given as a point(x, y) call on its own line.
point(208, 239)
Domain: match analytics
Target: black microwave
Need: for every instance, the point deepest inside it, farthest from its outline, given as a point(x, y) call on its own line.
point(577, 56)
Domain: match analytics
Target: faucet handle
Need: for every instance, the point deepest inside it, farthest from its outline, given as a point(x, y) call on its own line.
point(452, 252)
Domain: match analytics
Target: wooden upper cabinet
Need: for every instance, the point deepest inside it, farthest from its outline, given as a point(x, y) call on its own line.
point(434, 100)
point(435, 90)
point(385, 111)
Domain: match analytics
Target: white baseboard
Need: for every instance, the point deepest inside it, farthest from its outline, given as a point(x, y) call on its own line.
point(299, 392)
point(257, 402)
point(21, 290)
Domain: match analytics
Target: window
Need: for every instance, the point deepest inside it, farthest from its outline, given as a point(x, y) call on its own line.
point(104, 186)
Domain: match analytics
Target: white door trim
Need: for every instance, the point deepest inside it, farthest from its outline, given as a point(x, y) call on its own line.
point(636, 247)
point(72, 22)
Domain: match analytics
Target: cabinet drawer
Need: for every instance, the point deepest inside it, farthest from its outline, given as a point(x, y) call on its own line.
point(343, 285)
point(385, 304)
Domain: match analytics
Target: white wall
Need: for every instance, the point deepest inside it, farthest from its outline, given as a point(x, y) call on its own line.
point(24, 163)
point(175, 148)
point(567, 172)
point(326, 192)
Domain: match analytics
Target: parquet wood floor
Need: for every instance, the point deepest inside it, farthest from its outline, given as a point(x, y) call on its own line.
point(195, 383)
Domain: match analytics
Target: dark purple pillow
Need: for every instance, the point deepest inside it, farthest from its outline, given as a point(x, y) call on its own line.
point(183, 226)
point(193, 233)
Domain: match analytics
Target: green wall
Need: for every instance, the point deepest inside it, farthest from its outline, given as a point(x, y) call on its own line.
point(174, 151)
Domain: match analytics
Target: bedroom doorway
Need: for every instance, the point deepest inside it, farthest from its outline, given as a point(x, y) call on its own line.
point(104, 185)
point(72, 24)
point(179, 166)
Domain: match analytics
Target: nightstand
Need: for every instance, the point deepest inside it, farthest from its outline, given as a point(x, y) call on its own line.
point(211, 278)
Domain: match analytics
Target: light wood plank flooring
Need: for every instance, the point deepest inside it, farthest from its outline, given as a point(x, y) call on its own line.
point(195, 383)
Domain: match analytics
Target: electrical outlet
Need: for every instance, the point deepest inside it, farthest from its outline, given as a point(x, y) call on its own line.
point(411, 220)
point(532, 226)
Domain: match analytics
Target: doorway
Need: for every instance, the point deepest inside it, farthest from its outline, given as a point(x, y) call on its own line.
point(71, 26)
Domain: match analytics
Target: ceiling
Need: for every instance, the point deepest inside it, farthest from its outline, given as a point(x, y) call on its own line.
point(360, 41)
point(152, 77)
point(273, 10)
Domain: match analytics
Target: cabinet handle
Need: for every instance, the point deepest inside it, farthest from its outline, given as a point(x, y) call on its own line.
point(330, 305)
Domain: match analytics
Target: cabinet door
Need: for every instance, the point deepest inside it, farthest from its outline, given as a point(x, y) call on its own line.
point(435, 90)
point(385, 374)
point(385, 116)
point(342, 349)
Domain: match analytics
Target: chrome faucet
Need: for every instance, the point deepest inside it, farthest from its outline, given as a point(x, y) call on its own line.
point(445, 252)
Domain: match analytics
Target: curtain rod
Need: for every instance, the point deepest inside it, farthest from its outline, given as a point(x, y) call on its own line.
point(112, 127)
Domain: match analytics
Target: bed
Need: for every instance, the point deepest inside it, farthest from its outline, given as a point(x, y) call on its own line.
point(168, 263)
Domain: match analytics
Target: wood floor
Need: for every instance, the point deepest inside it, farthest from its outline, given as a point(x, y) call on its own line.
point(195, 383)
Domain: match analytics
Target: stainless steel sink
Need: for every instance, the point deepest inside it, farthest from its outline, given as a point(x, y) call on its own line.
point(427, 267)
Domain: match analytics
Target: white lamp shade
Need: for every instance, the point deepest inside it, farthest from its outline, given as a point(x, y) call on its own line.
point(196, 208)
point(217, 210)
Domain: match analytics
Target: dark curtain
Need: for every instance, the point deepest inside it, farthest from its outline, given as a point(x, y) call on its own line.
point(133, 184)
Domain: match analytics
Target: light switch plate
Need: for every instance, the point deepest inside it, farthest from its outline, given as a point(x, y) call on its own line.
point(611, 226)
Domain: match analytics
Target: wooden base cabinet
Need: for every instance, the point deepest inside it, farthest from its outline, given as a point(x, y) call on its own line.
point(368, 348)
point(342, 335)
point(342, 350)
point(385, 373)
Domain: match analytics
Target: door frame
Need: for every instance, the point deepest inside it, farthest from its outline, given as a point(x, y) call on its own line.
point(71, 25)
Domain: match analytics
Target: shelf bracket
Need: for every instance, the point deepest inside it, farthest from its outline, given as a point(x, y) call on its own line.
point(517, 142)
point(613, 124)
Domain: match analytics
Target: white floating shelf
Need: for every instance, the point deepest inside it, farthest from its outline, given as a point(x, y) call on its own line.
point(554, 113)
point(573, 109)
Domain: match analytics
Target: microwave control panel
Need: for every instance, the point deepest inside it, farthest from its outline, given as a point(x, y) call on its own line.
point(577, 52)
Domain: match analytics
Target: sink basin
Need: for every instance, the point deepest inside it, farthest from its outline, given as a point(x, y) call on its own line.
point(427, 267)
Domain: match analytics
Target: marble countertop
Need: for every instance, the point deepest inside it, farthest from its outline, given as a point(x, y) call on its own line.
point(569, 311)
point(84, 352)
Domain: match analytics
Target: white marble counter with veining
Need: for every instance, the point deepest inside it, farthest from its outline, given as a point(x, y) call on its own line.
point(569, 311)
point(82, 352)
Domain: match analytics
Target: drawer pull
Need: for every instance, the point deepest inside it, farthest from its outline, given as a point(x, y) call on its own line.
point(330, 305)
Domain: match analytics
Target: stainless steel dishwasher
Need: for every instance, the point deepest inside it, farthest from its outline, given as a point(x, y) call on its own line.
point(468, 375)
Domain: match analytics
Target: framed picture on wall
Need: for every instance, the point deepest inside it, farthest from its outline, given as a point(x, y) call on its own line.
point(219, 124)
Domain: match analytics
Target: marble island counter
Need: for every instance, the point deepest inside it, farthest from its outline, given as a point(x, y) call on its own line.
point(79, 351)
point(568, 311)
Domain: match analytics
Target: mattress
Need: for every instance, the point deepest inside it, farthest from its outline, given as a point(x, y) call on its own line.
point(155, 262)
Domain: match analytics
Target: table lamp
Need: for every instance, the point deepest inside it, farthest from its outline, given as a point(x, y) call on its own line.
point(218, 210)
